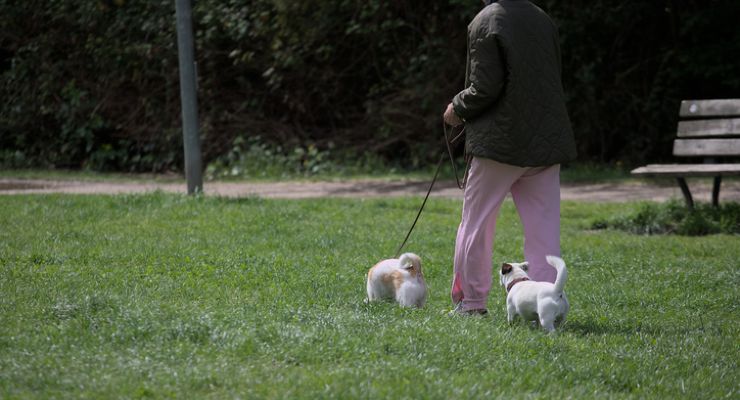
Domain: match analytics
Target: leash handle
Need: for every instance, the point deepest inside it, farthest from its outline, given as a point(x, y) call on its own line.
point(450, 142)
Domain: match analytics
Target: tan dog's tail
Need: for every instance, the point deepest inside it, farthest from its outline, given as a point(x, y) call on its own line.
point(410, 261)
point(559, 265)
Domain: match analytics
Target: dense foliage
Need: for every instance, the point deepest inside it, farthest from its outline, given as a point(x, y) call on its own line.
point(94, 84)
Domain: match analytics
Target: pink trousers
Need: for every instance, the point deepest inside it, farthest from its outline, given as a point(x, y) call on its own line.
point(536, 194)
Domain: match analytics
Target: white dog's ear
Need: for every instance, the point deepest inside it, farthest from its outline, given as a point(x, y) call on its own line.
point(506, 268)
point(524, 266)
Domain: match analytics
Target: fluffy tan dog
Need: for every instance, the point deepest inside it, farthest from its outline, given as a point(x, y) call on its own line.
point(399, 279)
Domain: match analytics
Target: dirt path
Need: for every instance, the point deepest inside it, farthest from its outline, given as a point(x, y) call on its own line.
point(600, 192)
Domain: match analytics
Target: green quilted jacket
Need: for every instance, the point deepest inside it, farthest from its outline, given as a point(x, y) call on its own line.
point(513, 105)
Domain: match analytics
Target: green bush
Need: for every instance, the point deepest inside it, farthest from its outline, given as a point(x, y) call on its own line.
point(674, 217)
point(95, 84)
point(252, 158)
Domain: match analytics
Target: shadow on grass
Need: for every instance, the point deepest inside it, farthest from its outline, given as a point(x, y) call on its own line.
point(593, 327)
point(248, 199)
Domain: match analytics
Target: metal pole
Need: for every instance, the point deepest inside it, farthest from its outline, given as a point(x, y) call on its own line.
point(188, 96)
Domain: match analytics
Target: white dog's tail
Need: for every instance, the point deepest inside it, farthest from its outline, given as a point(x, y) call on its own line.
point(559, 265)
point(410, 260)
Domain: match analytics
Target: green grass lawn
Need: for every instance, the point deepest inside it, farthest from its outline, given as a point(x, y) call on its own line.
point(158, 296)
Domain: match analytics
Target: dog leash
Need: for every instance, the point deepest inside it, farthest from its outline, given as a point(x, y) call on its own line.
point(449, 143)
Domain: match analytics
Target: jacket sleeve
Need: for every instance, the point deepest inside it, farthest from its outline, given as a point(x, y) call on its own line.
point(486, 79)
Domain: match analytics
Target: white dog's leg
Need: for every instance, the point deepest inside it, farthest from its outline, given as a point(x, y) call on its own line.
point(511, 313)
point(548, 323)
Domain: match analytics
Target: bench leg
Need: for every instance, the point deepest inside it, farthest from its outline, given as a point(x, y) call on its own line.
point(715, 190)
point(686, 192)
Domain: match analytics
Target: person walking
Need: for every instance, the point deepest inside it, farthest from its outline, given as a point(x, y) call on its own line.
point(518, 133)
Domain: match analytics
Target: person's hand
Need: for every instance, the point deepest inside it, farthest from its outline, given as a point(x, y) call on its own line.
point(450, 117)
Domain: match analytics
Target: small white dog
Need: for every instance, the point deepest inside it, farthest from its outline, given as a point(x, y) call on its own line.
point(535, 301)
point(400, 279)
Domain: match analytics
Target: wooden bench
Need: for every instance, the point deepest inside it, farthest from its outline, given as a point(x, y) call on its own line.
point(708, 129)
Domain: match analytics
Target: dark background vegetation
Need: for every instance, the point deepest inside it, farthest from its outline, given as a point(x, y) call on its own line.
point(94, 84)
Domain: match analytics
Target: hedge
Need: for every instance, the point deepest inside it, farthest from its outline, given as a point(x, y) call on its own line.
point(94, 84)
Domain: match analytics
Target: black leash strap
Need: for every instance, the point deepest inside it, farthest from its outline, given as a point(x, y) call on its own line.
point(449, 143)
point(436, 173)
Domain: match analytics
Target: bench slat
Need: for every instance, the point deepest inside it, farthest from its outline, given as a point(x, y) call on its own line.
point(706, 147)
point(710, 108)
point(687, 170)
point(709, 127)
